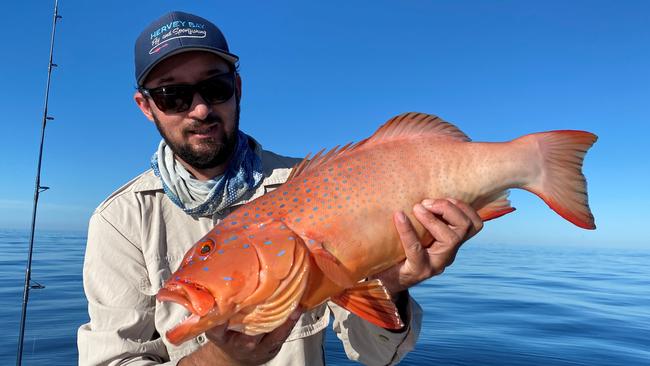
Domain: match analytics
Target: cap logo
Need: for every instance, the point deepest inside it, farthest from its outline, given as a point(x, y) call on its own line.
point(174, 30)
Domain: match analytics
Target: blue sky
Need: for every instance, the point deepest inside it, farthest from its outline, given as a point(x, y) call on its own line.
point(321, 73)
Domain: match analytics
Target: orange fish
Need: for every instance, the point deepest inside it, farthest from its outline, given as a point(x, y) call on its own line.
point(320, 235)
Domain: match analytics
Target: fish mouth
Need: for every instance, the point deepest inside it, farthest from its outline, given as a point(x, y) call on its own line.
point(194, 298)
point(199, 302)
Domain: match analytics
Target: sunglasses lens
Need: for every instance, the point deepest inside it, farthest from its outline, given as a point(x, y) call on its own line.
point(217, 89)
point(177, 98)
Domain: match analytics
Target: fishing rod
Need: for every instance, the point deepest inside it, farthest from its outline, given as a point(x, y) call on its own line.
point(38, 189)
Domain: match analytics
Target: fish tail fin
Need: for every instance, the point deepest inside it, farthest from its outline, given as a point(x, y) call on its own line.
point(561, 183)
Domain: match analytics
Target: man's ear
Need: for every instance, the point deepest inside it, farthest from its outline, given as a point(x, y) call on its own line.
point(143, 104)
point(238, 85)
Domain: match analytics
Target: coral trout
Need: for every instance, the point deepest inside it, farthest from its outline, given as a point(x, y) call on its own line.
point(324, 232)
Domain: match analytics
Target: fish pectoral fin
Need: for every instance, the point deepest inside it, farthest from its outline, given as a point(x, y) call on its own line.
point(331, 267)
point(370, 301)
point(495, 206)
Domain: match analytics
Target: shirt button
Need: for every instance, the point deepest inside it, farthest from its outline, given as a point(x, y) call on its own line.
point(201, 339)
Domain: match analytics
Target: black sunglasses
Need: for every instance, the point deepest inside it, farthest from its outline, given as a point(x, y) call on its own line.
point(178, 98)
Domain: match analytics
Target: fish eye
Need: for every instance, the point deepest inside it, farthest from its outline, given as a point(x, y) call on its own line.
point(206, 247)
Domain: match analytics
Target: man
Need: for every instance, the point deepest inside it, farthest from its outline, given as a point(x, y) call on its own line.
point(188, 85)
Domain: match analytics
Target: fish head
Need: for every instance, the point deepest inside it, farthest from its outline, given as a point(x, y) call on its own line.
point(250, 277)
point(213, 279)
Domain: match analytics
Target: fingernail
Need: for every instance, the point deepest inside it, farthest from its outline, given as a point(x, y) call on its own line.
point(420, 208)
point(427, 203)
point(401, 217)
point(452, 200)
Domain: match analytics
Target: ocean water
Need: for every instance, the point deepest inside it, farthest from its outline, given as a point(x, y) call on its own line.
point(497, 305)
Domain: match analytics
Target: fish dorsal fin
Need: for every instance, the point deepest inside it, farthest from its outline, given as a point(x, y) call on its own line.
point(370, 300)
point(406, 124)
point(414, 124)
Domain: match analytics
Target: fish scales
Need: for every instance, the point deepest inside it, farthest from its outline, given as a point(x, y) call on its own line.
point(330, 225)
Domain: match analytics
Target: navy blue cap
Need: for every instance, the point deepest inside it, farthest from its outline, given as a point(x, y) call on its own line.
point(174, 33)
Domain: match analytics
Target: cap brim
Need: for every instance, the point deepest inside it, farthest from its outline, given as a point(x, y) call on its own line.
point(228, 57)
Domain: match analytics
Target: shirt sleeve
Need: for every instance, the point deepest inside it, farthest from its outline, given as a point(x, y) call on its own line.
point(373, 345)
point(121, 330)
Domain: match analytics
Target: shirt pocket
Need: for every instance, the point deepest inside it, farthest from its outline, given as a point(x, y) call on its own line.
point(311, 322)
point(271, 187)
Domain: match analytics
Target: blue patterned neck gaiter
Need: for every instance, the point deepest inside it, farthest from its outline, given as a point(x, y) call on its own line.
point(205, 198)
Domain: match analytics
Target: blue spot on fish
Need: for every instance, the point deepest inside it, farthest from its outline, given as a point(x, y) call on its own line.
point(297, 220)
point(234, 237)
point(257, 215)
point(233, 223)
point(308, 190)
point(268, 242)
point(295, 200)
point(227, 278)
point(270, 213)
point(177, 278)
point(282, 205)
point(206, 268)
point(251, 236)
point(315, 208)
point(325, 180)
point(246, 246)
point(220, 251)
point(281, 253)
point(311, 241)
point(285, 193)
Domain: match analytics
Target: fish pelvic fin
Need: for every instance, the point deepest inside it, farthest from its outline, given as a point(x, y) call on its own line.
point(371, 301)
point(561, 183)
point(494, 206)
point(404, 125)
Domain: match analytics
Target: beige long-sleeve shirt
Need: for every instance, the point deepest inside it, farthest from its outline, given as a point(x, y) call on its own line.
point(137, 238)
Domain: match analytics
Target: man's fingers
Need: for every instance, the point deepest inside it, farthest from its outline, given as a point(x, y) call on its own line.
point(412, 246)
point(276, 338)
point(439, 229)
point(218, 333)
point(458, 221)
point(470, 212)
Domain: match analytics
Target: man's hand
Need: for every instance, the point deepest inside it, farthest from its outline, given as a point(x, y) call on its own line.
point(449, 224)
point(227, 347)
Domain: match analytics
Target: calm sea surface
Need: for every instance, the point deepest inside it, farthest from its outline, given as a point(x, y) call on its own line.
point(497, 305)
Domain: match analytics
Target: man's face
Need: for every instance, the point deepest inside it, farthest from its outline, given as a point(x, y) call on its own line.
point(205, 135)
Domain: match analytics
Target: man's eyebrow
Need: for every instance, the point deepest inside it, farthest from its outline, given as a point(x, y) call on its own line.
point(215, 71)
point(209, 72)
point(164, 80)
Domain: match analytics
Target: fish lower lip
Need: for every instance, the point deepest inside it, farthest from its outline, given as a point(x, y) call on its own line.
point(197, 300)
point(165, 294)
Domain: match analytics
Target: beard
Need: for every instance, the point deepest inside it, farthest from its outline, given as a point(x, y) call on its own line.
point(211, 152)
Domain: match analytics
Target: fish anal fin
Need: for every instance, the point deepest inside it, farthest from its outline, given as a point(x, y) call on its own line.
point(496, 206)
point(370, 301)
point(331, 267)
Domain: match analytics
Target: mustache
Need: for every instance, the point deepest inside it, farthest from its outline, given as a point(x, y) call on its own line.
point(209, 120)
point(199, 125)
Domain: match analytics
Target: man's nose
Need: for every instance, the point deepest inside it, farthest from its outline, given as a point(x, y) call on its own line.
point(199, 109)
